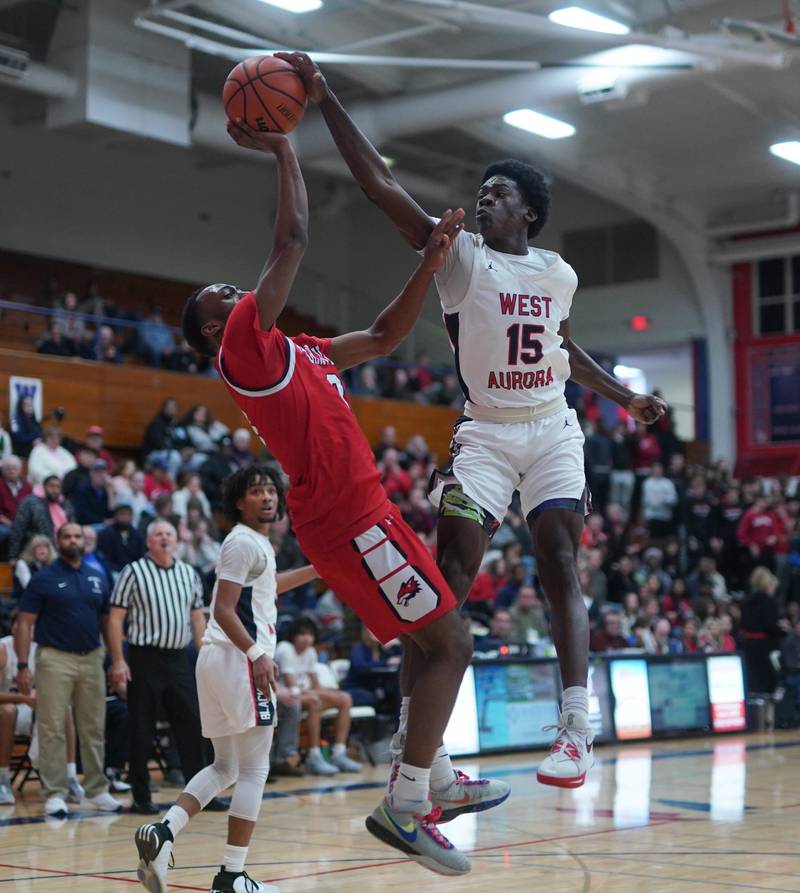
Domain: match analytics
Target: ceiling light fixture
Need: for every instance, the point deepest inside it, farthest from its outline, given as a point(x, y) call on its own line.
point(542, 125)
point(296, 6)
point(789, 151)
point(577, 17)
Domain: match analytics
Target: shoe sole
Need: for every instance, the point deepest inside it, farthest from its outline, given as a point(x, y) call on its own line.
point(481, 806)
point(385, 836)
point(575, 781)
point(148, 848)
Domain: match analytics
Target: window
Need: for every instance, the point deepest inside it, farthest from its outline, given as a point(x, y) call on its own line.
point(777, 289)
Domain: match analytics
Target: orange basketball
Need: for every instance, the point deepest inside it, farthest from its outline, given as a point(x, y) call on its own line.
point(267, 93)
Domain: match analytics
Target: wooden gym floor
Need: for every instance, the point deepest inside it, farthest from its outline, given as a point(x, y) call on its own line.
point(697, 814)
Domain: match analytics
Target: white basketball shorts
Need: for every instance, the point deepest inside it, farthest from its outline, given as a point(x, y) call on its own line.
point(230, 703)
point(542, 459)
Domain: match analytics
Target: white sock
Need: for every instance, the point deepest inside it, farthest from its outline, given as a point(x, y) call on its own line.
point(234, 858)
point(410, 791)
point(314, 752)
point(72, 770)
point(575, 706)
point(442, 773)
point(340, 750)
point(177, 818)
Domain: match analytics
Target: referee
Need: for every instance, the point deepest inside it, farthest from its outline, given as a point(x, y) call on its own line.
point(162, 600)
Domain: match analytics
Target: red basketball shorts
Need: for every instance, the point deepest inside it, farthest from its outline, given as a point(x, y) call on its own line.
point(388, 577)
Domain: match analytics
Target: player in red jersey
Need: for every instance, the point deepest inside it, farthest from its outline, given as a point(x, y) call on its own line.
point(291, 392)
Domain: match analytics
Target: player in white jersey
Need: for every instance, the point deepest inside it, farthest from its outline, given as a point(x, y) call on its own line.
point(235, 681)
point(506, 307)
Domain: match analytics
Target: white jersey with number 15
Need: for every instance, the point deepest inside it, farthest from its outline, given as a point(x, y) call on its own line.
point(503, 313)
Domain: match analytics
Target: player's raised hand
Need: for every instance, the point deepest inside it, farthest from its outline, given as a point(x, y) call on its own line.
point(257, 140)
point(646, 408)
point(441, 239)
point(313, 79)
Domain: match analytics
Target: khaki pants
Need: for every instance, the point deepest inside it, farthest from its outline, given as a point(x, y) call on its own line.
point(63, 679)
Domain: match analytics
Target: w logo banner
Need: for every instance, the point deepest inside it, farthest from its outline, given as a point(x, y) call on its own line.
point(404, 587)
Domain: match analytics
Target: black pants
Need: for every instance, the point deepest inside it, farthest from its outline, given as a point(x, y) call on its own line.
point(162, 678)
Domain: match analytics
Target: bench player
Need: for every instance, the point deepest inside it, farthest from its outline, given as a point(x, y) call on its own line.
point(506, 308)
point(235, 680)
point(291, 392)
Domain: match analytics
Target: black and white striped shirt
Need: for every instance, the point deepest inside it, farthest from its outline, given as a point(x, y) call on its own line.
point(159, 602)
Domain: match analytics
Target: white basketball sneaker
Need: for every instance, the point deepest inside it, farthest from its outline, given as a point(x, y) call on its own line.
point(570, 757)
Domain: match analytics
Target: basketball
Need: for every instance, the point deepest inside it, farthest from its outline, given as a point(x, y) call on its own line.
point(267, 93)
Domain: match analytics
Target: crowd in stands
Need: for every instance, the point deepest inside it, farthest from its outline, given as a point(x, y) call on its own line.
point(674, 558)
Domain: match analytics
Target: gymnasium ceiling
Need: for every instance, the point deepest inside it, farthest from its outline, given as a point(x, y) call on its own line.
point(691, 133)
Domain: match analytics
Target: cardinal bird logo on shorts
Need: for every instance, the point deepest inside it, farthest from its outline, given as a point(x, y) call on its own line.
point(408, 589)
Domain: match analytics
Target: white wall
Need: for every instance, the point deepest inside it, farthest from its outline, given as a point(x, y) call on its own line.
point(113, 200)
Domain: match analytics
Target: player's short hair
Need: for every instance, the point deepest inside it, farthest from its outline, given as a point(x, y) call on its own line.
point(302, 625)
point(191, 325)
point(531, 183)
point(235, 487)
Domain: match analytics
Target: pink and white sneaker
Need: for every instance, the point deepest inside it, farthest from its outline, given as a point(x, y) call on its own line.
point(467, 794)
point(570, 757)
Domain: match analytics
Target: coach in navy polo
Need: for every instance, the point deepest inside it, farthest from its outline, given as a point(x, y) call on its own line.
point(68, 601)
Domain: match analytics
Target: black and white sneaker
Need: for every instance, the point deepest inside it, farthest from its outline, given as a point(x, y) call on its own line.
point(154, 843)
point(239, 882)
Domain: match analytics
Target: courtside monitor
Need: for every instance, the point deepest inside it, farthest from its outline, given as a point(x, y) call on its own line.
point(631, 698)
point(726, 692)
point(515, 700)
point(679, 699)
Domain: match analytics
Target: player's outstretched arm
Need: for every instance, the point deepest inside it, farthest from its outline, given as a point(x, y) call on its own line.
point(369, 170)
point(290, 235)
point(399, 318)
point(643, 407)
point(298, 577)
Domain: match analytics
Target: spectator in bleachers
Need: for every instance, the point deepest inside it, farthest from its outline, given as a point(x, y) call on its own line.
point(630, 613)
point(508, 593)
point(219, 465)
point(659, 500)
point(297, 660)
point(159, 481)
point(16, 711)
point(162, 511)
point(610, 637)
point(70, 324)
point(204, 432)
point(365, 382)
point(689, 636)
point(39, 551)
point(705, 580)
point(191, 488)
point(240, 448)
point(156, 341)
point(623, 478)
point(25, 428)
point(85, 457)
point(285, 756)
point(528, 617)
point(40, 514)
point(49, 458)
point(158, 435)
point(94, 500)
point(399, 387)
point(13, 490)
point(499, 634)
point(183, 359)
point(665, 643)
point(397, 482)
point(94, 304)
point(598, 455)
point(760, 531)
point(123, 472)
point(137, 499)
point(120, 543)
point(104, 348)
point(198, 548)
point(54, 343)
point(621, 579)
point(449, 392)
point(68, 602)
point(90, 556)
point(387, 441)
point(698, 516)
point(365, 687)
point(94, 440)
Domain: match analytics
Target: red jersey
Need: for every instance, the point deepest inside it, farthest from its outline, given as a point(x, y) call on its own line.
point(291, 394)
